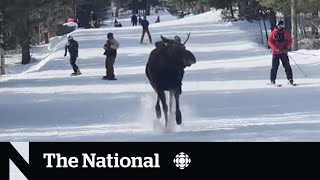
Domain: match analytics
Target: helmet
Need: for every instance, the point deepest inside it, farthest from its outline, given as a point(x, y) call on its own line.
point(280, 25)
point(177, 38)
point(70, 37)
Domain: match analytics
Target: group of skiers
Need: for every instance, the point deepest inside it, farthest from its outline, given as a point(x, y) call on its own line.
point(280, 42)
point(111, 46)
point(137, 19)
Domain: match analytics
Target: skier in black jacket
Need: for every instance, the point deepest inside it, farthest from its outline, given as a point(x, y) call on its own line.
point(72, 46)
point(134, 20)
point(145, 29)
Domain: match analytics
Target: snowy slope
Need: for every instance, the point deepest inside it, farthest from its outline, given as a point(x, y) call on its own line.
point(225, 97)
point(126, 22)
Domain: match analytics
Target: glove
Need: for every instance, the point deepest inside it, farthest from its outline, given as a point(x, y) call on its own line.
point(106, 52)
point(286, 50)
point(65, 55)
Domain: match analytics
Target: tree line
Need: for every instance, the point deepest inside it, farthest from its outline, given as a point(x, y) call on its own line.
point(22, 20)
point(301, 16)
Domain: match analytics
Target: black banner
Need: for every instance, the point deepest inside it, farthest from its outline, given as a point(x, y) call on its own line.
point(174, 160)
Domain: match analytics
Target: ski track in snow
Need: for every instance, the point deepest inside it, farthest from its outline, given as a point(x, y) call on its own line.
point(225, 96)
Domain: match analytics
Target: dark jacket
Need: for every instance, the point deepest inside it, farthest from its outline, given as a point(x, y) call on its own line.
point(134, 19)
point(72, 46)
point(145, 24)
point(93, 17)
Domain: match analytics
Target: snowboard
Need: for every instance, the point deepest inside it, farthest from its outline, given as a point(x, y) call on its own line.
point(281, 85)
point(75, 74)
point(145, 43)
point(104, 78)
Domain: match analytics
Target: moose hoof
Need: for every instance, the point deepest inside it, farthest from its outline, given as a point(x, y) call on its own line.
point(178, 118)
point(159, 114)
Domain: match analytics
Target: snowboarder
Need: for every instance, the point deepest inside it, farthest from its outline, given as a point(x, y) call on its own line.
point(72, 46)
point(280, 42)
point(134, 20)
point(110, 48)
point(145, 29)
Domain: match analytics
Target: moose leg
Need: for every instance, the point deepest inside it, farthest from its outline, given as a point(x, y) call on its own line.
point(162, 96)
point(158, 110)
point(171, 100)
point(178, 112)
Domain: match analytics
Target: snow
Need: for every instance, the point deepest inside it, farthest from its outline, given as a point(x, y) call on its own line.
point(126, 22)
point(71, 24)
point(225, 97)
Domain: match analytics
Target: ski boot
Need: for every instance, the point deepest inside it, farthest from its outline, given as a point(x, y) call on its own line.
point(292, 83)
point(76, 73)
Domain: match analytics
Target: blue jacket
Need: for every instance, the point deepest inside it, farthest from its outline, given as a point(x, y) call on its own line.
point(145, 24)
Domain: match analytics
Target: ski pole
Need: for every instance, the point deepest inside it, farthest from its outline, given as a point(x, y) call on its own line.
point(304, 53)
point(298, 66)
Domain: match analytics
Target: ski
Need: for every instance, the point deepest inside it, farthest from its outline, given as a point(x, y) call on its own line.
point(294, 84)
point(281, 85)
point(275, 85)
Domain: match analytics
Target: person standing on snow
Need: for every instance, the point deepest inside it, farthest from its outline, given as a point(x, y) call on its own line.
point(72, 46)
point(93, 19)
point(134, 20)
point(110, 48)
point(280, 42)
point(139, 19)
point(145, 29)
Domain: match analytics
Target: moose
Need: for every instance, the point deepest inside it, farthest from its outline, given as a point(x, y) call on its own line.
point(165, 71)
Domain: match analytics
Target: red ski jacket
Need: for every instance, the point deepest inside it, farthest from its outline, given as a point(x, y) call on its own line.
point(277, 44)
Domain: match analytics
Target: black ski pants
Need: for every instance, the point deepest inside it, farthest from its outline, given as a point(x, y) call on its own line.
point(73, 60)
point(285, 63)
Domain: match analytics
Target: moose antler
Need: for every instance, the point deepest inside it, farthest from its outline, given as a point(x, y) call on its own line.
point(187, 39)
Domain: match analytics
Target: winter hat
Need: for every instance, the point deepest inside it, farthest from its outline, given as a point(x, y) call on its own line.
point(70, 37)
point(110, 35)
point(280, 25)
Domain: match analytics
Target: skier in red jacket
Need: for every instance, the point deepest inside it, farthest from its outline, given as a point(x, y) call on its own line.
point(280, 42)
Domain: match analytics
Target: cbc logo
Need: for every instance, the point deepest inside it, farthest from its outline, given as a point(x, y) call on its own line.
point(182, 160)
